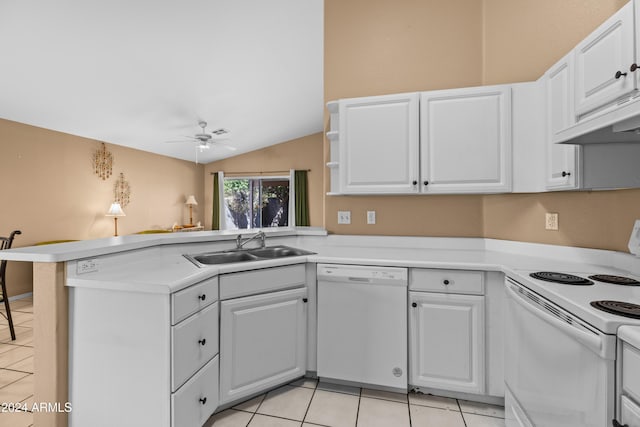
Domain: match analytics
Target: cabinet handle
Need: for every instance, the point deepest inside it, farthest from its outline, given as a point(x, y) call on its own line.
point(633, 67)
point(614, 422)
point(415, 182)
point(413, 304)
point(202, 342)
point(426, 183)
point(202, 297)
point(566, 174)
point(203, 400)
point(445, 281)
point(620, 74)
point(305, 300)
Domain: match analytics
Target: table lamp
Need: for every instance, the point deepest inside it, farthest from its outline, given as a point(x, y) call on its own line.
point(115, 211)
point(191, 202)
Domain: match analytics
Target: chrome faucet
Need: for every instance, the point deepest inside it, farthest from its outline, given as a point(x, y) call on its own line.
point(259, 235)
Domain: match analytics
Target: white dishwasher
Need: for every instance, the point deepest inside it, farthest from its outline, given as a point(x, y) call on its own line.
point(362, 325)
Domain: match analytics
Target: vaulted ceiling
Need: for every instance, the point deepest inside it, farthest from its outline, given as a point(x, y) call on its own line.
point(140, 73)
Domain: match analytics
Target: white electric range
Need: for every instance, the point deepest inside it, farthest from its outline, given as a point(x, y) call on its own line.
point(561, 350)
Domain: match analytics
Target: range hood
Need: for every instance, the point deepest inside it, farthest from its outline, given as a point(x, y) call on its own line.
point(620, 125)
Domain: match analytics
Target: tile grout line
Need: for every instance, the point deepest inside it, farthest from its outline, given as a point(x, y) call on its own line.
point(309, 405)
point(461, 413)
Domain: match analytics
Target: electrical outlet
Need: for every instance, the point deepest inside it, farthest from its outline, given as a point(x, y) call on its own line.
point(551, 221)
point(344, 217)
point(371, 217)
point(86, 266)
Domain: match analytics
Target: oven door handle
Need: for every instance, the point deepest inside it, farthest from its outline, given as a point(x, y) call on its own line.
point(590, 340)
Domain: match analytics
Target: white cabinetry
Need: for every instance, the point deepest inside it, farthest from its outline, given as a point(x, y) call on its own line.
point(446, 331)
point(450, 141)
point(562, 160)
point(628, 403)
point(378, 148)
point(465, 140)
point(263, 337)
point(602, 63)
point(167, 343)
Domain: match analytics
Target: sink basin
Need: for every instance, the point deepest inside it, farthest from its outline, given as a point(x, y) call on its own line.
point(223, 257)
point(245, 255)
point(278, 252)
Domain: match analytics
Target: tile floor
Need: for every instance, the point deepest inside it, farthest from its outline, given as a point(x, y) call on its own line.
point(305, 403)
point(16, 363)
point(301, 403)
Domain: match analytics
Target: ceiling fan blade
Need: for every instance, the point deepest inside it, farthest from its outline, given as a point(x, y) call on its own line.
point(184, 139)
point(225, 146)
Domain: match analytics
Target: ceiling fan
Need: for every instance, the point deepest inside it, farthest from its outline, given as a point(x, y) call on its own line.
point(205, 140)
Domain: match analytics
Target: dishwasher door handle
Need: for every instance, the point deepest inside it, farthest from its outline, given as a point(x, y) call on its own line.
point(359, 279)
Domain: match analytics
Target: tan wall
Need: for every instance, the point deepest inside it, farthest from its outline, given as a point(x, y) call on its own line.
point(49, 191)
point(384, 46)
point(522, 38)
point(299, 154)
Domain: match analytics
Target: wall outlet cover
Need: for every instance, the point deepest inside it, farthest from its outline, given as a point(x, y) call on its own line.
point(634, 240)
point(551, 221)
point(344, 217)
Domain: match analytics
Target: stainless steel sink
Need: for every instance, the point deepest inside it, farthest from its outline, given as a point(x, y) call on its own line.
point(278, 252)
point(245, 255)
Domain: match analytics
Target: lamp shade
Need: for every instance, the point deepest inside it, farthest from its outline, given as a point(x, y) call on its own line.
point(191, 200)
point(115, 210)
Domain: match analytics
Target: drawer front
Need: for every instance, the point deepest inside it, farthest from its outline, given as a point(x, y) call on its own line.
point(260, 281)
point(631, 371)
point(194, 342)
point(447, 281)
point(187, 301)
point(194, 403)
point(629, 413)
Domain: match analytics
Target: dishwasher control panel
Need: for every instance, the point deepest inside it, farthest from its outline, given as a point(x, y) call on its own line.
point(362, 273)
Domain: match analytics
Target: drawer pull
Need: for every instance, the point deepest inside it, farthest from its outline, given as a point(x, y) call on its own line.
point(446, 281)
point(202, 297)
point(305, 300)
point(413, 304)
point(202, 342)
point(203, 400)
point(620, 74)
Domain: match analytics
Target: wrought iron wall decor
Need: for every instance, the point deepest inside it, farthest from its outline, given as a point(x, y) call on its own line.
point(103, 162)
point(121, 191)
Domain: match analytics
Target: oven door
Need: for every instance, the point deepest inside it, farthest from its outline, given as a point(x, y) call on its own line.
point(559, 370)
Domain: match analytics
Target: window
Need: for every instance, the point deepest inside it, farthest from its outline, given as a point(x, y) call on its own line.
point(256, 202)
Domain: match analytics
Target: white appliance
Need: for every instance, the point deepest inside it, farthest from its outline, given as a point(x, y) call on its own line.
point(362, 325)
point(559, 370)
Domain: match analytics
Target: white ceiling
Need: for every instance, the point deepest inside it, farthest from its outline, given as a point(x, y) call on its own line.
point(140, 72)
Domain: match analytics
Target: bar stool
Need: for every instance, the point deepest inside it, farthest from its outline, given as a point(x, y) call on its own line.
point(5, 243)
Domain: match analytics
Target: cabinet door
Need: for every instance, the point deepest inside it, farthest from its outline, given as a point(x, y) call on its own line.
point(465, 140)
point(447, 342)
point(262, 342)
point(379, 144)
point(609, 49)
point(562, 160)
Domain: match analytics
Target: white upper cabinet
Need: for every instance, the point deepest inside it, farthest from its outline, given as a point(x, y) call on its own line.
point(378, 143)
point(603, 62)
point(562, 160)
point(465, 140)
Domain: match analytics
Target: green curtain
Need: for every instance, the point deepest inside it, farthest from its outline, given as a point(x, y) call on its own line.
point(215, 220)
point(302, 198)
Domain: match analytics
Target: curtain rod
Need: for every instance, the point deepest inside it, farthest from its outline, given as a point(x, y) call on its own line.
point(260, 172)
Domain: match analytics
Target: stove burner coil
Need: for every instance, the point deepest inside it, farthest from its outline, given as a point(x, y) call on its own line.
point(621, 308)
point(563, 278)
point(615, 280)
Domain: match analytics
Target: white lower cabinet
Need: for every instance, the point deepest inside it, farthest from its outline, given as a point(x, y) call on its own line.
point(143, 359)
point(198, 398)
point(447, 342)
point(628, 384)
point(262, 342)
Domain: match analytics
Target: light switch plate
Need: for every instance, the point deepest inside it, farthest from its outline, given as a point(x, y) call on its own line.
point(371, 217)
point(344, 217)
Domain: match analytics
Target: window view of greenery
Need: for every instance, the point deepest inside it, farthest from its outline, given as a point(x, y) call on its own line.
point(256, 203)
